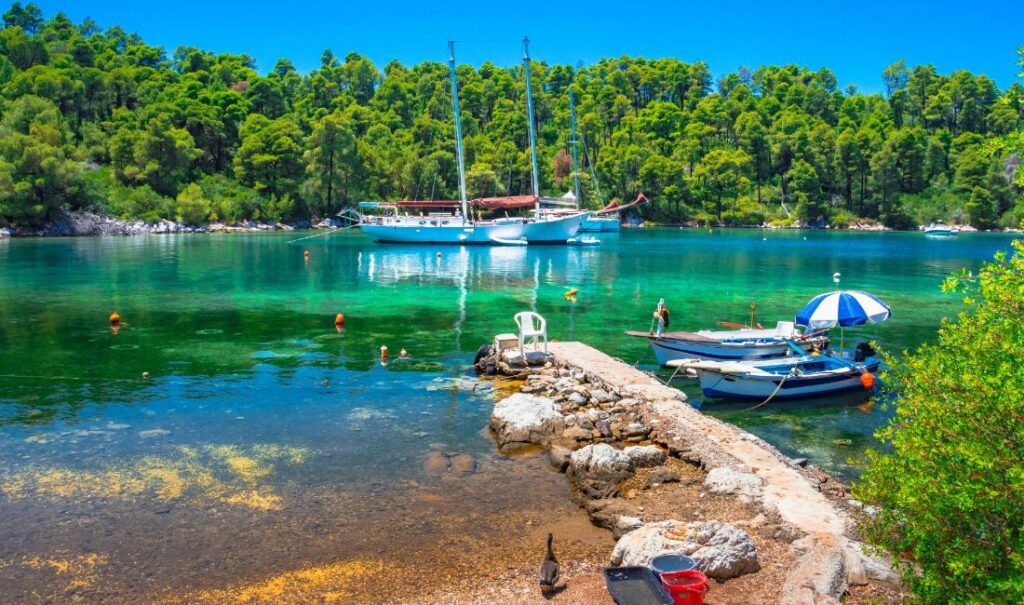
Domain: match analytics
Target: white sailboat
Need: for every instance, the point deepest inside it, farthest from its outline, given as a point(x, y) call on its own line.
point(545, 227)
point(443, 227)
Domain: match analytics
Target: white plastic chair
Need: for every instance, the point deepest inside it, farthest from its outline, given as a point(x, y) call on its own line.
point(784, 329)
point(531, 325)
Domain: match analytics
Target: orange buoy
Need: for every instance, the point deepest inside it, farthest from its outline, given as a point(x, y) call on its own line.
point(339, 319)
point(383, 353)
point(115, 318)
point(868, 380)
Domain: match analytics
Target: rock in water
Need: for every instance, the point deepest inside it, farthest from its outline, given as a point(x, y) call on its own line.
point(436, 463)
point(722, 551)
point(730, 481)
point(558, 456)
point(523, 419)
point(462, 464)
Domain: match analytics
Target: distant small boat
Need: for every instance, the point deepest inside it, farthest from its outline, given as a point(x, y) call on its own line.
point(783, 378)
point(730, 345)
point(940, 228)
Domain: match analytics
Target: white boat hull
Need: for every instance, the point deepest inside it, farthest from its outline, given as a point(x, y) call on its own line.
point(553, 229)
point(746, 344)
point(454, 232)
point(600, 224)
point(723, 385)
point(666, 350)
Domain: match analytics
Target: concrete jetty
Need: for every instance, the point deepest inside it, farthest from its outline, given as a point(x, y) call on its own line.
point(828, 557)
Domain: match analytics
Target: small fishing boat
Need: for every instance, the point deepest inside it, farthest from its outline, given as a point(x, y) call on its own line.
point(785, 378)
point(940, 229)
point(731, 345)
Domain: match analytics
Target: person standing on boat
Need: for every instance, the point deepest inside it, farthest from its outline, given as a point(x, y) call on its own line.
point(661, 316)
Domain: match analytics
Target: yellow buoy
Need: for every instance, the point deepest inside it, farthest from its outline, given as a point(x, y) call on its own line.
point(115, 318)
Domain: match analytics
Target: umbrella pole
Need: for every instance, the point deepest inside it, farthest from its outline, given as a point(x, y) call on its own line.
point(842, 337)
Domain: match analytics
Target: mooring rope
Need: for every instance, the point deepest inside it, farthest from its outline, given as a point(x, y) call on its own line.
point(770, 397)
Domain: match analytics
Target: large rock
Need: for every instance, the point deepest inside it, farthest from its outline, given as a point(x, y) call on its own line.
point(522, 419)
point(602, 462)
point(645, 455)
point(721, 550)
point(731, 481)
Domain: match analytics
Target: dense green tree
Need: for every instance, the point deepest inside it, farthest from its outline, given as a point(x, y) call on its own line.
point(269, 157)
point(137, 127)
point(721, 177)
point(36, 177)
point(332, 164)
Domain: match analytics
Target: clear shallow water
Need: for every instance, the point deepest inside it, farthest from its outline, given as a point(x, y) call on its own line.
point(255, 403)
point(237, 331)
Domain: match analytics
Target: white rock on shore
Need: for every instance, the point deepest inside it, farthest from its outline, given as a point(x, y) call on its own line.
point(730, 481)
point(722, 551)
point(522, 419)
point(602, 462)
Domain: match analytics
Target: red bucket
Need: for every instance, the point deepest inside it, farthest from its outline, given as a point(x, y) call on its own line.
point(686, 587)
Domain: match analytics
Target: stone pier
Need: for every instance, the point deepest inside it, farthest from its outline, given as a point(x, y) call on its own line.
point(828, 558)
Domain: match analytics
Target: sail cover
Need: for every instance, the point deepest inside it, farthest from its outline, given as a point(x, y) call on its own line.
point(508, 202)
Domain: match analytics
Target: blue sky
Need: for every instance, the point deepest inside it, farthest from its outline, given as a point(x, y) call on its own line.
point(855, 39)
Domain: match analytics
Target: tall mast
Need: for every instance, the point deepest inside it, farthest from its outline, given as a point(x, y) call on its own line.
point(529, 122)
point(575, 153)
point(458, 130)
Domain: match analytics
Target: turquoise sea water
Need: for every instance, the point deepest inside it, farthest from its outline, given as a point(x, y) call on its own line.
point(255, 400)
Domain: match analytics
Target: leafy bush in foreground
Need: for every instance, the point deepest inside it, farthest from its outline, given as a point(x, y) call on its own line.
point(950, 484)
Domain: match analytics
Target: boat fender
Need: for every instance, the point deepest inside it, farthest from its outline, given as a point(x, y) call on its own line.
point(868, 380)
point(481, 353)
point(115, 318)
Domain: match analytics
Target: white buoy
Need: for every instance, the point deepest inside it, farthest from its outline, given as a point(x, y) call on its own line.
point(835, 277)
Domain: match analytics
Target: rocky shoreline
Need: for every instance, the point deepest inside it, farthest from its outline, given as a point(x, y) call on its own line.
point(83, 223)
point(665, 479)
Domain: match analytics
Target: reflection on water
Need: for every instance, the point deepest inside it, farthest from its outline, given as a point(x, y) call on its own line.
point(260, 428)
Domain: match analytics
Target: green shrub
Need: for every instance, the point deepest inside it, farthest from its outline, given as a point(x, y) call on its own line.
point(139, 202)
point(192, 207)
point(949, 482)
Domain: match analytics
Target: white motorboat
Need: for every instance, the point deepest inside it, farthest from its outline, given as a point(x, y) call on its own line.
point(731, 345)
point(783, 378)
point(941, 229)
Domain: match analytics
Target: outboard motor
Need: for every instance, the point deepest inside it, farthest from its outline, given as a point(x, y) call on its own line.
point(863, 351)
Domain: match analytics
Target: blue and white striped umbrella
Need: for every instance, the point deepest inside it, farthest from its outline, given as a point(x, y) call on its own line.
point(843, 308)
